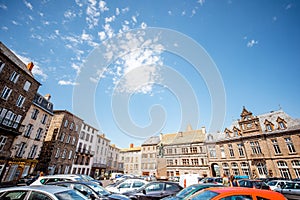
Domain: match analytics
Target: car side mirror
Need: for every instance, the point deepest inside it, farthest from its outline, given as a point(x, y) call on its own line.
point(92, 196)
point(144, 191)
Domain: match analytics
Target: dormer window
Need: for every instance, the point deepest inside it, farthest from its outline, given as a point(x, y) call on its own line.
point(227, 135)
point(269, 127)
point(236, 133)
point(281, 123)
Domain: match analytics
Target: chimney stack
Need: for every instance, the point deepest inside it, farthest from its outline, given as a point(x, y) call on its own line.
point(131, 146)
point(30, 66)
point(203, 129)
point(47, 97)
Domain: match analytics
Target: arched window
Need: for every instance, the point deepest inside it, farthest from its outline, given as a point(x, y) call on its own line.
point(262, 168)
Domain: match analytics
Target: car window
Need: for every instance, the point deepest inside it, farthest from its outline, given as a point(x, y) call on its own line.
point(70, 194)
point(238, 197)
point(38, 196)
point(205, 195)
point(155, 187)
point(171, 187)
point(125, 185)
point(86, 191)
point(138, 184)
point(14, 195)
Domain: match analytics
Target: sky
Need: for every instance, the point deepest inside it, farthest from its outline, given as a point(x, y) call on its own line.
point(134, 69)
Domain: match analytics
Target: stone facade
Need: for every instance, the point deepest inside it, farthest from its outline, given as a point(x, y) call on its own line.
point(17, 90)
point(131, 159)
point(184, 152)
point(266, 145)
point(149, 152)
point(85, 150)
point(26, 147)
point(58, 151)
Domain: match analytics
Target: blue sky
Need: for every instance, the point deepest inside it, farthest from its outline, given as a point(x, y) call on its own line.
point(252, 46)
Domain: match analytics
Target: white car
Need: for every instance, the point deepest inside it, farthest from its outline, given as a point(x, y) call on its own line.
point(42, 180)
point(44, 192)
point(126, 186)
point(277, 184)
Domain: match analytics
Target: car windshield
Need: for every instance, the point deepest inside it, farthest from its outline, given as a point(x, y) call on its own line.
point(186, 191)
point(205, 195)
point(272, 183)
point(100, 190)
point(70, 194)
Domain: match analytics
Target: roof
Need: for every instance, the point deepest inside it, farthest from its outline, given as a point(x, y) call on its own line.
point(190, 136)
point(154, 140)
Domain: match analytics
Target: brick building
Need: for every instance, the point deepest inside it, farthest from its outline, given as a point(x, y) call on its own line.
point(17, 90)
point(266, 145)
point(58, 151)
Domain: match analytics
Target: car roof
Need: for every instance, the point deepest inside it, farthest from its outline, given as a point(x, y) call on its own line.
point(230, 190)
point(46, 188)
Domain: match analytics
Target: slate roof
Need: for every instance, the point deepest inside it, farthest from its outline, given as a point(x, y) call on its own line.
point(151, 141)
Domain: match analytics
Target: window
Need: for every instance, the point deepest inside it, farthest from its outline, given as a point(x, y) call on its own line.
point(284, 170)
point(21, 149)
point(19, 117)
point(184, 150)
point(235, 169)
point(231, 152)
point(241, 150)
point(87, 137)
point(2, 142)
point(64, 153)
point(276, 146)
point(92, 137)
point(35, 113)
point(281, 125)
point(71, 126)
point(9, 119)
point(40, 99)
point(222, 151)
point(5, 93)
point(39, 196)
point(185, 161)
point(49, 105)
point(290, 145)
point(62, 137)
point(32, 151)
point(28, 130)
point(14, 77)
point(73, 140)
point(82, 135)
point(245, 168)
point(262, 168)
point(57, 153)
point(68, 139)
point(195, 161)
point(193, 149)
point(39, 134)
point(212, 151)
point(66, 123)
point(2, 114)
point(44, 119)
point(27, 85)
point(255, 147)
point(2, 64)
point(225, 168)
point(295, 164)
point(269, 127)
point(76, 127)
point(20, 101)
point(70, 154)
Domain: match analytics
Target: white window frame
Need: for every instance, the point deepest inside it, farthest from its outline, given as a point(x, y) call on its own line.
point(3, 140)
point(57, 153)
point(6, 93)
point(2, 64)
point(44, 119)
point(27, 86)
point(14, 77)
point(28, 130)
point(39, 133)
point(32, 151)
point(20, 101)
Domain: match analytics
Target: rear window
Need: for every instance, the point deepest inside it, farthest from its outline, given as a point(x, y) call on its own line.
point(70, 194)
point(205, 195)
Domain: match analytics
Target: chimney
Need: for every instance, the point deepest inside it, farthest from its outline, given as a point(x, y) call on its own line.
point(203, 129)
point(180, 134)
point(160, 136)
point(131, 146)
point(30, 66)
point(47, 97)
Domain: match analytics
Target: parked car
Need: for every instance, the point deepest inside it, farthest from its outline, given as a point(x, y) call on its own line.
point(42, 192)
point(277, 184)
point(155, 190)
point(291, 190)
point(42, 180)
point(216, 180)
point(27, 180)
point(89, 178)
point(126, 185)
point(249, 183)
point(236, 193)
point(187, 192)
point(91, 190)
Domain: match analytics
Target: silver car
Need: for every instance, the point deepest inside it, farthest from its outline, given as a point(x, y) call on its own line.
point(291, 190)
point(45, 192)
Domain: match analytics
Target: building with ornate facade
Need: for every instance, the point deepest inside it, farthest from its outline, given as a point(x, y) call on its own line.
point(59, 148)
point(26, 147)
point(149, 153)
point(85, 150)
point(131, 160)
point(17, 90)
point(184, 152)
point(267, 145)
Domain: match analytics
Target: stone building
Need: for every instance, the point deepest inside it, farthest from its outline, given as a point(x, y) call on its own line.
point(131, 160)
point(59, 149)
point(17, 90)
point(113, 159)
point(100, 159)
point(184, 152)
point(26, 147)
point(85, 150)
point(149, 152)
point(266, 145)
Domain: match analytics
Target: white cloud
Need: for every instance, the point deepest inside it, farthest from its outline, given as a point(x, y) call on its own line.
point(69, 14)
point(5, 28)
point(28, 5)
point(170, 12)
point(15, 23)
point(110, 19)
point(76, 67)
point(86, 37)
point(102, 6)
point(2, 6)
point(30, 17)
point(251, 43)
point(92, 14)
point(117, 11)
point(63, 82)
point(102, 35)
point(201, 2)
point(108, 30)
point(134, 19)
point(125, 10)
point(288, 6)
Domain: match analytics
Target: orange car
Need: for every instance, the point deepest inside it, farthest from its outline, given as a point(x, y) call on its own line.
point(236, 193)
